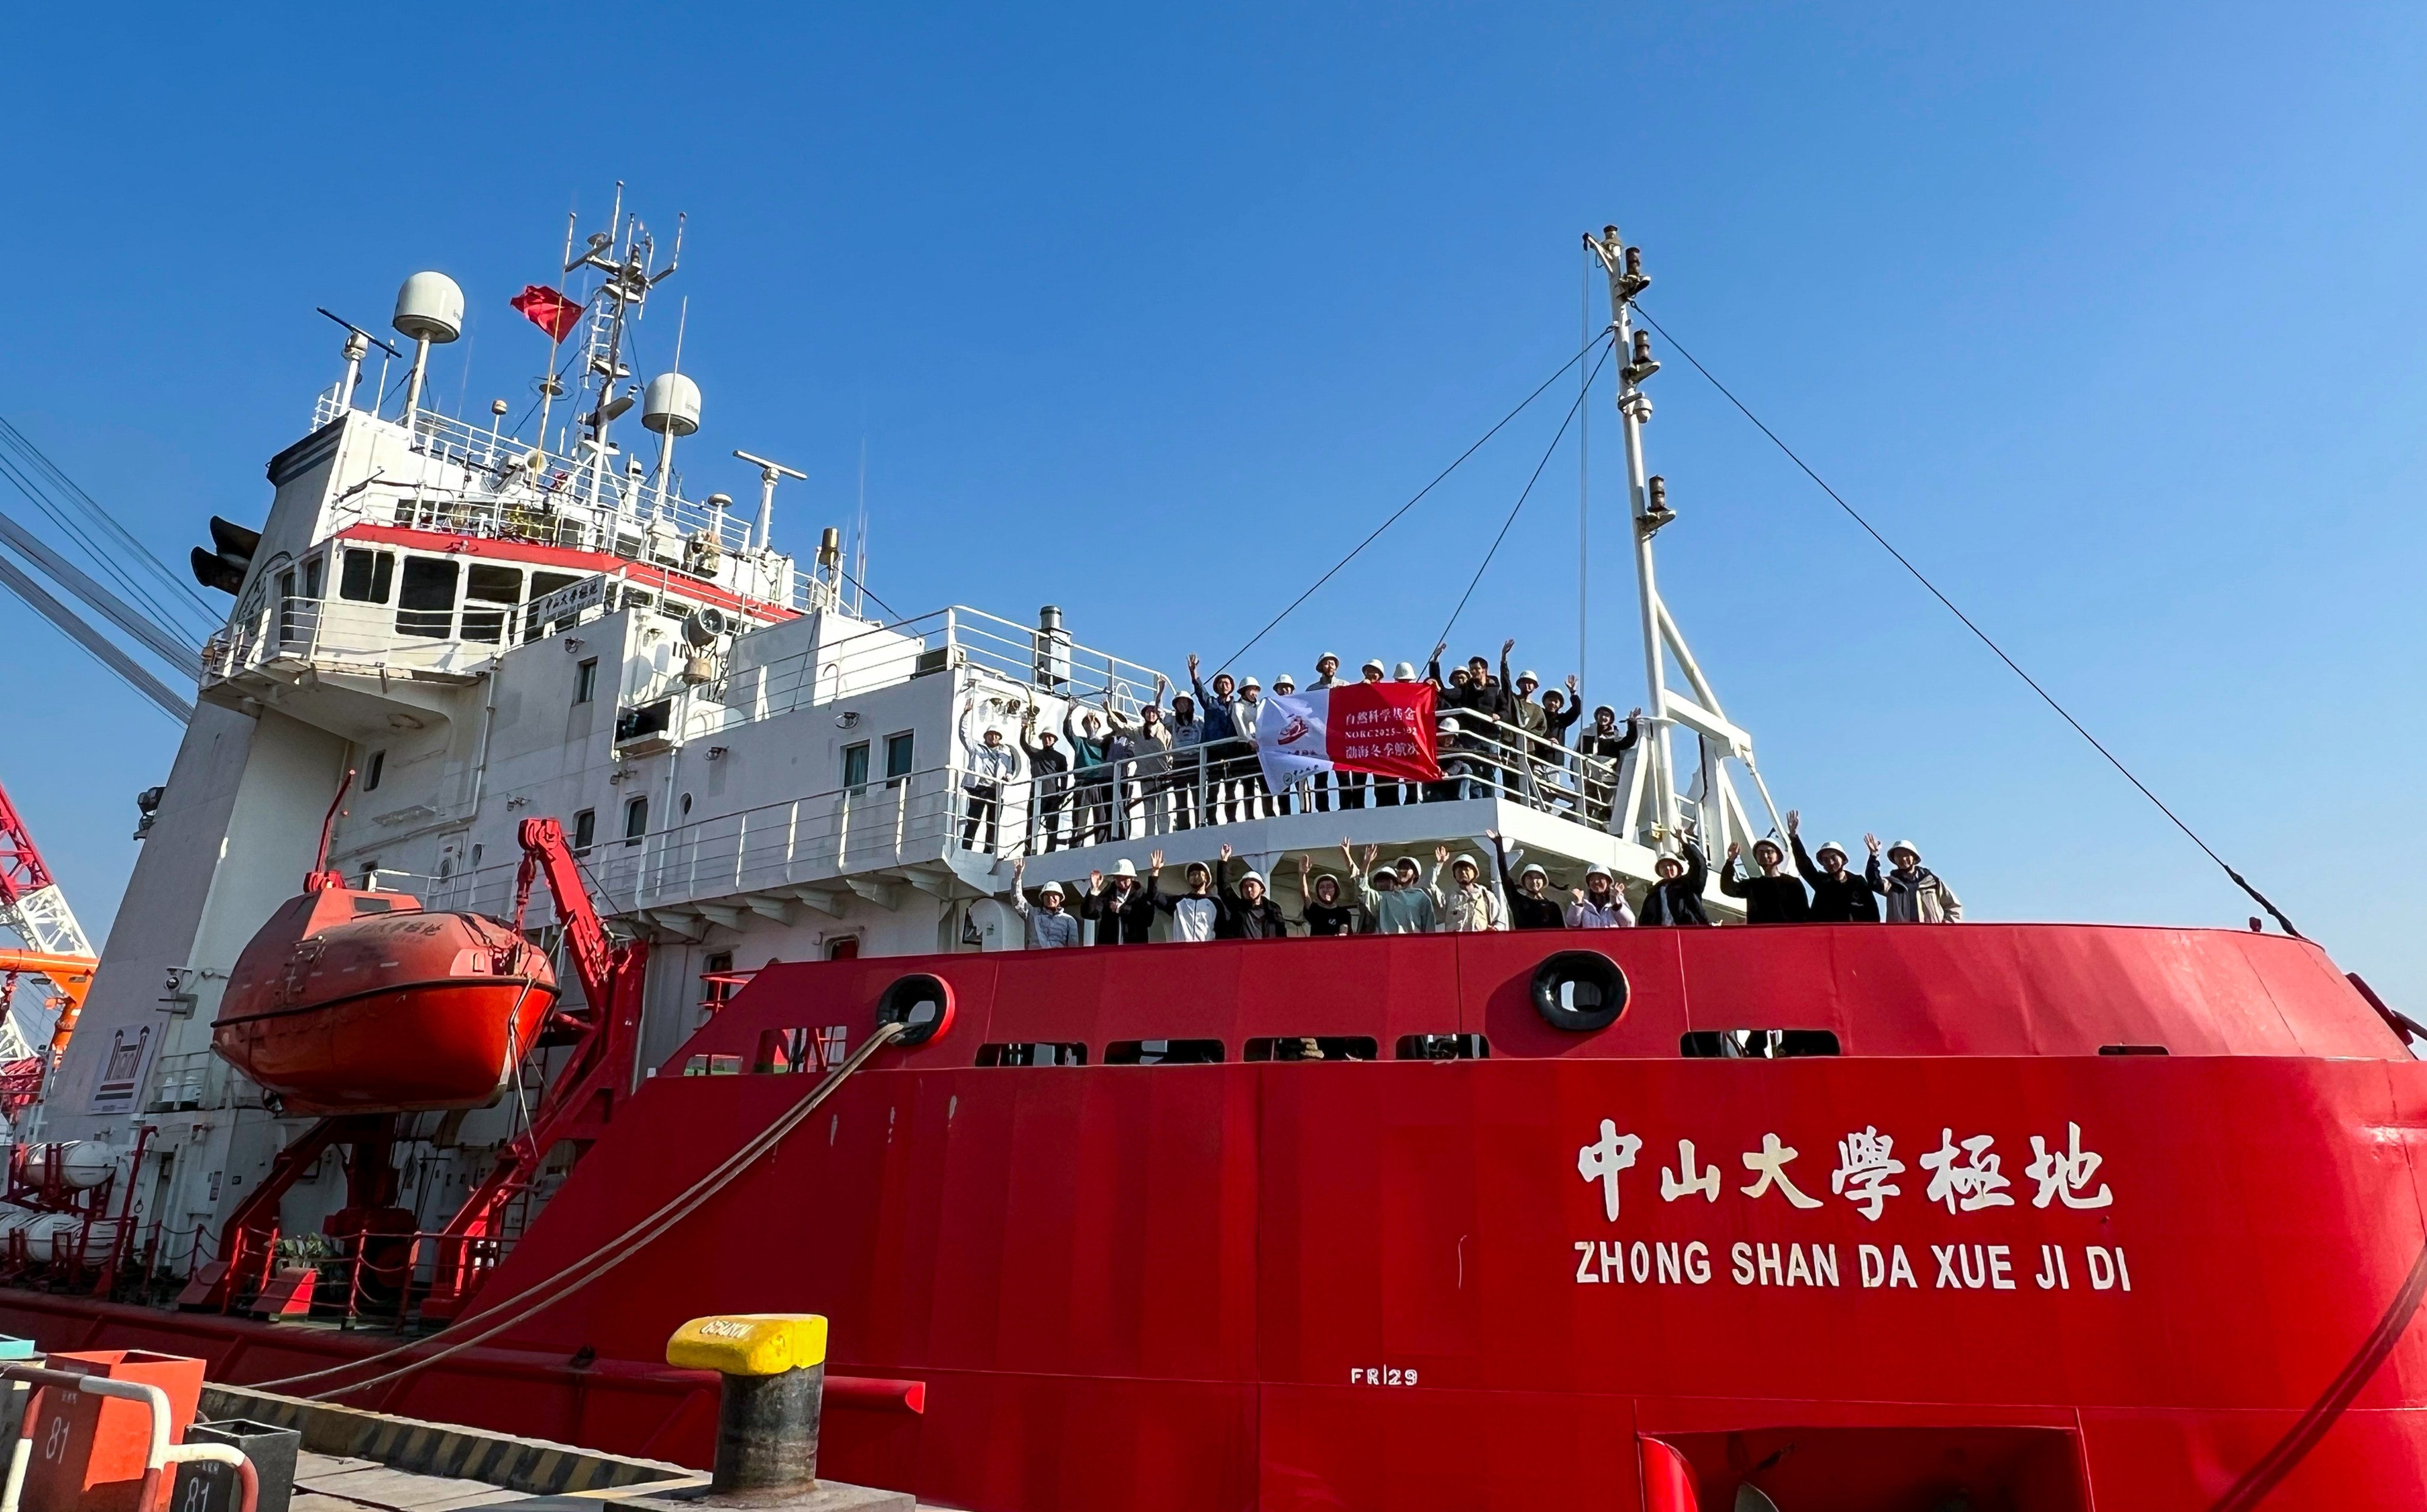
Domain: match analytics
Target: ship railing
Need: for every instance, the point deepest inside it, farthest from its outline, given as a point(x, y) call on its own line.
point(1221, 783)
point(1041, 663)
point(885, 821)
point(338, 635)
point(486, 483)
point(805, 846)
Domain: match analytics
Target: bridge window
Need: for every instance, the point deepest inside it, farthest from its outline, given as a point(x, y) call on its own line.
point(585, 681)
point(366, 575)
point(636, 820)
point(899, 753)
point(1163, 1052)
point(426, 606)
point(486, 584)
point(585, 831)
point(1756, 1044)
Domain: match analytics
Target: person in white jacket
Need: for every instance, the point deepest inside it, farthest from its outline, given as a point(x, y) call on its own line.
point(1467, 907)
point(1600, 903)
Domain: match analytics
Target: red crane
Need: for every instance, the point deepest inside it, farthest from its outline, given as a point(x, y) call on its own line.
point(603, 1034)
point(32, 905)
point(599, 1037)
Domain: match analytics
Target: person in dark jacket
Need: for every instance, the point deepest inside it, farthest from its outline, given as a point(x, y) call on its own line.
point(1840, 895)
point(1774, 897)
point(1598, 750)
point(1220, 743)
point(1325, 911)
point(1677, 897)
point(1249, 914)
point(1530, 903)
point(1123, 911)
point(1050, 769)
point(1091, 814)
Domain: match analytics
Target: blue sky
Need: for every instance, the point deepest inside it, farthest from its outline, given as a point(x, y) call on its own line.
point(2112, 321)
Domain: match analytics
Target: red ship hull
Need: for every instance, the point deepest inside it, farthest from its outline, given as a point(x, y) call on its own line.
point(1502, 1282)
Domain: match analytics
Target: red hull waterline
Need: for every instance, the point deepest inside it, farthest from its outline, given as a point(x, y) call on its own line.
point(2177, 1280)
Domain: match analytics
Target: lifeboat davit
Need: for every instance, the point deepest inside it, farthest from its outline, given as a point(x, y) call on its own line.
point(355, 1002)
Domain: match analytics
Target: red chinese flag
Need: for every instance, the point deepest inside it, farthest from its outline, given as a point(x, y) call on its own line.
point(549, 309)
point(1385, 728)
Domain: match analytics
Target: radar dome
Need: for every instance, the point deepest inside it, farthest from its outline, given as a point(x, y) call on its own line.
point(430, 308)
point(671, 405)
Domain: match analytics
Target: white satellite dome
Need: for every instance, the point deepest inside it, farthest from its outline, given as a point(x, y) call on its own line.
point(671, 405)
point(430, 308)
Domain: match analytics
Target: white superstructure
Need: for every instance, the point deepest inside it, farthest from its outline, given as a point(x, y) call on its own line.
point(484, 626)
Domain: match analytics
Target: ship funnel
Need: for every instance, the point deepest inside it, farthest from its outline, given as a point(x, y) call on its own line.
point(1053, 649)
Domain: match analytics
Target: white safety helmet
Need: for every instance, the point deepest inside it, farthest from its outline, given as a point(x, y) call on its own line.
point(1826, 846)
point(1602, 872)
point(1246, 683)
point(1284, 684)
point(1405, 672)
point(1773, 845)
point(1908, 848)
point(1254, 876)
point(1532, 870)
point(1374, 665)
point(1527, 675)
point(1052, 889)
point(1125, 868)
point(1466, 861)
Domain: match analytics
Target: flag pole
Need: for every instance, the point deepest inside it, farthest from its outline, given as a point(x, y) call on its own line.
point(555, 342)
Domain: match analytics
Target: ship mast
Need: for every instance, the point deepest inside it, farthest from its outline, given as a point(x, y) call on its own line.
point(1654, 803)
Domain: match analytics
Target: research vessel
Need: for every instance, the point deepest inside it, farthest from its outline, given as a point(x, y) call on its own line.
point(570, 913)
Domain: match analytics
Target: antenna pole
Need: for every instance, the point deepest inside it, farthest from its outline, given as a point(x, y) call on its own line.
point(1633, 409)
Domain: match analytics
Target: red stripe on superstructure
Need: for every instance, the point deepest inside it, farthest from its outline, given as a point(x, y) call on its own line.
point(532, 553)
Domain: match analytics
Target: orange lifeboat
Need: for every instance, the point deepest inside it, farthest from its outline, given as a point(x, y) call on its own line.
point(355, 1001)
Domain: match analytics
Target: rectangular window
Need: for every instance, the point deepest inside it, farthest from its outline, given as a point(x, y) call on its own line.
point(367, 577)
point(427, 605)
point(898, 754)
point(1163, 1052)
point(585, 681)
point(315, 572)
point(636, 820)
point(371, 773)
point(585, 831)
point(486, 585)
point(855, 766)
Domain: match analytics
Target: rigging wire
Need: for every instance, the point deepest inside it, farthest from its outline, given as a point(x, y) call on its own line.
point(1505, 525)
point(1334, 571)
point(1980, 634)
point(56, 494)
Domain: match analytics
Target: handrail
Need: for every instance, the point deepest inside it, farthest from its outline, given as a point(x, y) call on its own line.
point(158, 1454)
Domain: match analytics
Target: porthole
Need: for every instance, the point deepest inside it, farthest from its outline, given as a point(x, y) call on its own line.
point(1579, 991)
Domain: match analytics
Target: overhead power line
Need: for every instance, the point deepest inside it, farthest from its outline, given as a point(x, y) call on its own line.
point(1983, 636)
